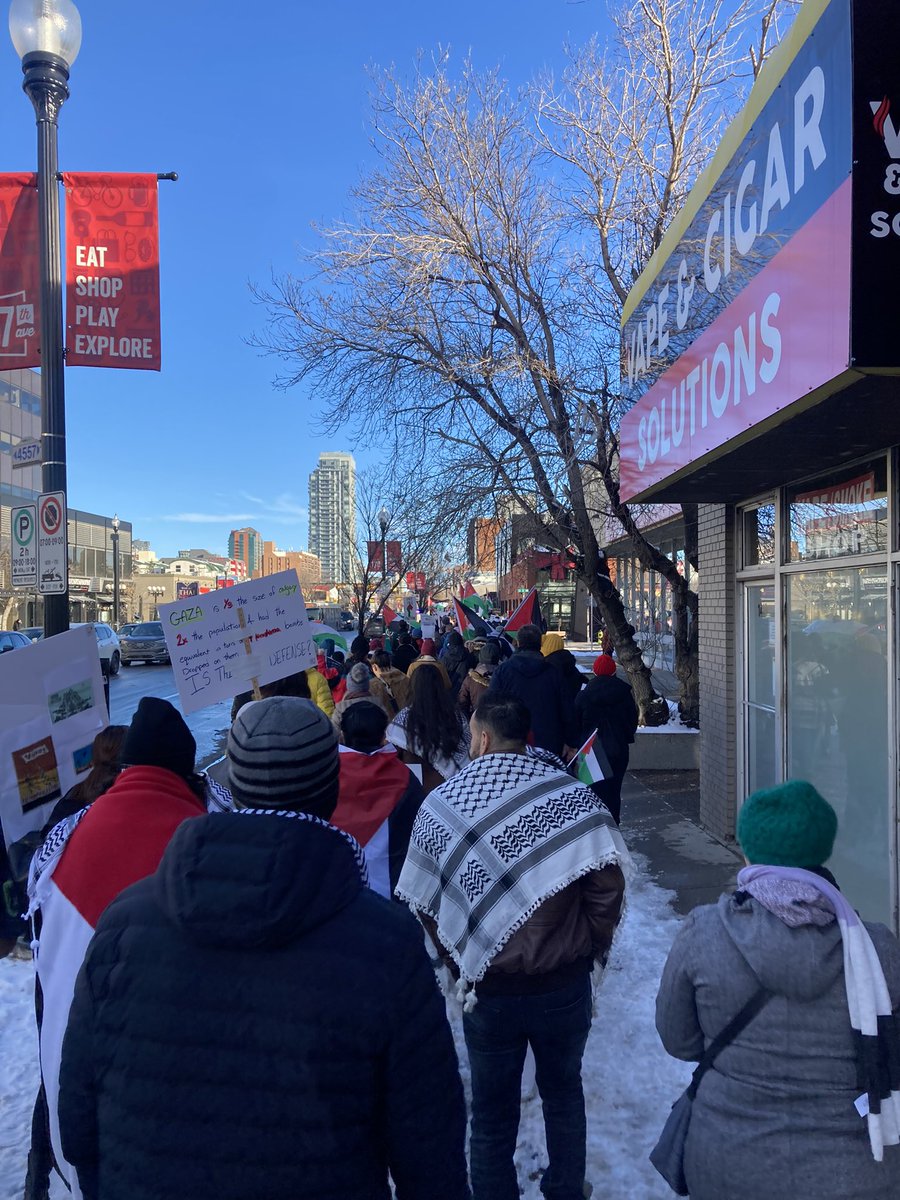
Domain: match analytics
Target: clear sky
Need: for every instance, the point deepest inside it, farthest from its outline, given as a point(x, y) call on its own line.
point(262, 110)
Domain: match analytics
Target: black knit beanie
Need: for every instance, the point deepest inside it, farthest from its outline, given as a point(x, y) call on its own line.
point(283, 753)
point(159, 737)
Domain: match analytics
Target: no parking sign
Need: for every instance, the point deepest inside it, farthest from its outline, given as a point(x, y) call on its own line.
point(53, 557)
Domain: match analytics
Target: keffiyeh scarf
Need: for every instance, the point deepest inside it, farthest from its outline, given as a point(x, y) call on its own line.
point(800, 897)
point(295, 815)
point(492, 844)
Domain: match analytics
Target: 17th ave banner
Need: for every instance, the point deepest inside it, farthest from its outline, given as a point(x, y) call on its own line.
point(20, 272)
point(112, 271)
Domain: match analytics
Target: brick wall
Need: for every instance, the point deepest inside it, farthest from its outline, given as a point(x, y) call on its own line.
point(718, 750)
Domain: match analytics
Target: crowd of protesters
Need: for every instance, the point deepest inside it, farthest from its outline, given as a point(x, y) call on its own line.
point(234, 999)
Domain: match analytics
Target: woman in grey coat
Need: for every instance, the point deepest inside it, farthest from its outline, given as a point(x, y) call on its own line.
point(774, 1116)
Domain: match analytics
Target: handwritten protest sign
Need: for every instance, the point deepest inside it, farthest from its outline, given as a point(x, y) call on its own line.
point(51, 710)
point(224, 642)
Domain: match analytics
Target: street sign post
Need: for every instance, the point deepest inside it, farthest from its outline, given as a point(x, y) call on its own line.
point(27, 454)
point(53, 555)
point(24, 546)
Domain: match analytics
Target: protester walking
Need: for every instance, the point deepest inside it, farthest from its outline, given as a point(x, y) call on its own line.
point(516, 873)
point(254, 1021)
point(478, 678)
point(394, 684)
point(379, 796)
point(89, 858)
point(431, 733)
point(106, 763)
point(405, 653)
point(607, 705)
point(528, 677)
point(457, 660)
point(358, 688)
point(775, 1114)
point(553, 648)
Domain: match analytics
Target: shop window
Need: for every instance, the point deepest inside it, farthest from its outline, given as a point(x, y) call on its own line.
point(839, 514)
point(837, 731)
point(758, 536)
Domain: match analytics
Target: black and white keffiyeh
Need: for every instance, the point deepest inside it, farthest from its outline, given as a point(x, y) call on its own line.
point(492, 844)
point(294, 814)
point(802, 897)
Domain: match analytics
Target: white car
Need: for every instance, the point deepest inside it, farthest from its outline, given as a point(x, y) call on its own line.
point(107, 643)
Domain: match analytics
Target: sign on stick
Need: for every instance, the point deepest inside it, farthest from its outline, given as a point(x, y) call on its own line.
point(53, 550)
point(224, 643)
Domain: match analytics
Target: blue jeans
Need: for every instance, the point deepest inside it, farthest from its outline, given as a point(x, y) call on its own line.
point(498, 1032)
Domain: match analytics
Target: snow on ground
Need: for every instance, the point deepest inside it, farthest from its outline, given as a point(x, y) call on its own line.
point(630, 1082)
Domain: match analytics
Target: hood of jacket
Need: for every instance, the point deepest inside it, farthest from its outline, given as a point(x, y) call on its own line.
point(528, 663)
point(256, 879)
point(801, 963)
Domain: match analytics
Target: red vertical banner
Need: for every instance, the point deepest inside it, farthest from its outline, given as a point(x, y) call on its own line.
point(20, 272)
point(112, 271)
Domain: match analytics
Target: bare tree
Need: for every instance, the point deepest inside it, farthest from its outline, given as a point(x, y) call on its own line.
point(460, 308)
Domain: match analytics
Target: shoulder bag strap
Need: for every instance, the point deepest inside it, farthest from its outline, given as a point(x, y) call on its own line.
point(736, 1025)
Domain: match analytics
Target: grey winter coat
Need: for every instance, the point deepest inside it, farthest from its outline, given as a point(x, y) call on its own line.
point(774, 1116)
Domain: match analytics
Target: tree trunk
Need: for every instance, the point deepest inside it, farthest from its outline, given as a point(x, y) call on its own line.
point(687, 663)
point(651, 707)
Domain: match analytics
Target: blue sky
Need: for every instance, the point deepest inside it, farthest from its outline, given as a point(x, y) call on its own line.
point(262, 110)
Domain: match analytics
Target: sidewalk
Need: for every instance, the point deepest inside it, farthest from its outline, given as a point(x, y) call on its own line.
point(660, 820)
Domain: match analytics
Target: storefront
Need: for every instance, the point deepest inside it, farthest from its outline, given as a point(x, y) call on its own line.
point(761, 355)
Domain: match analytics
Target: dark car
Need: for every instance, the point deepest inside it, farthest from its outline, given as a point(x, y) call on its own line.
point(11, 639)
point(146, 643)
point(34, 633)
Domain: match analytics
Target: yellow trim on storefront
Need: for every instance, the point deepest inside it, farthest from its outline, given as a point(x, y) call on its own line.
point(770, 77)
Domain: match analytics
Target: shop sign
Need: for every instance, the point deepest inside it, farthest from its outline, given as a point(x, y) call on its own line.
point(746, 308)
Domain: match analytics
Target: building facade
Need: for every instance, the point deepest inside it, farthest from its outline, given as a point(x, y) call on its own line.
point(307, 566)
point(332, 515)
point(246, 546)
point(90, 535)
point(761, 357)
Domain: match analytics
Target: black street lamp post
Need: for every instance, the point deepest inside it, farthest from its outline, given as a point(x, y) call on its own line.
point(115, 545)
point(47, 38)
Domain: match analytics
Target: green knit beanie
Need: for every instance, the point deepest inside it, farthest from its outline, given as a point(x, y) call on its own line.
point(790, 825)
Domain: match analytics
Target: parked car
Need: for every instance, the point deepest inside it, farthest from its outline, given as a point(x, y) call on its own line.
point(34, 633)
point(107, 643)
point(12, 639)
point(124, 630)
point(146, 643)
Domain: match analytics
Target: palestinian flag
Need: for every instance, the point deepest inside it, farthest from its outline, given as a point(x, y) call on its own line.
point(477, 603)
point(467, 590)
point(590, 764)
point(388, 615)
point(528, 613)
point(471, 624)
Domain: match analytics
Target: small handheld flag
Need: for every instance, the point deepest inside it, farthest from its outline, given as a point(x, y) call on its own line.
point(528, 613)
point(590, 764)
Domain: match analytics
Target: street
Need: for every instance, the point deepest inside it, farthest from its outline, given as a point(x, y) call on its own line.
point(209, 726)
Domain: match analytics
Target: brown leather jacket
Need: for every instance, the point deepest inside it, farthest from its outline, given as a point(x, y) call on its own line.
point(577, 923)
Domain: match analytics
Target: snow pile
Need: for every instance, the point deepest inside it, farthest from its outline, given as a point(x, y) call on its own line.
point(630, 1082)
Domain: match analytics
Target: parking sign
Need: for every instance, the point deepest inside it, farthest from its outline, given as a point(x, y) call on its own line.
point(53, 550)
point(24, 546)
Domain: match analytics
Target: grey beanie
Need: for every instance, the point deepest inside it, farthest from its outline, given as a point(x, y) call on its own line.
point(283, 753)
point(358, 680)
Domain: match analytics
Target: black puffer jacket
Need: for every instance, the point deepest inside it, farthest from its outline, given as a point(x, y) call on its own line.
point(251, 1021)
point(530, 678)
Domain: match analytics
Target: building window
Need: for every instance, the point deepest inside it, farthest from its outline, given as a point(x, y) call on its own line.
point(839, 514)
point(758, 536)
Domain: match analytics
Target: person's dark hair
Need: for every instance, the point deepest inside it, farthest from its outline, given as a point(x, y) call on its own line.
point(455, 639)
point(338, 656)
point(106, 753)
point(433, 723)
point(405, 639)
point(529, 638)
point(507, 718)
point(382, 660)
point(363, 725)
point(292, 685)
point(359, 647)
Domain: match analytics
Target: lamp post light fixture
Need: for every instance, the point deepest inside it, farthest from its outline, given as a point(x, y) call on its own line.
point(384, 519)
point(156, 592)
point(47, 38)
point(115, 546)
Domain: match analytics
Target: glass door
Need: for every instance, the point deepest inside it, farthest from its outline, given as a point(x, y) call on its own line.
point(758, 703)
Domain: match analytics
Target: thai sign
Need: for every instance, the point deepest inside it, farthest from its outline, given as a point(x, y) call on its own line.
point(746, 308)
point(112, 271)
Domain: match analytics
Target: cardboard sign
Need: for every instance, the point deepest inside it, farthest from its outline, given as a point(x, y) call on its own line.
point(51, 708)
point(53, 547)
point(220, 643)
point(429, 626)
point(20, 273)
point(112, 271)
point(23, 523)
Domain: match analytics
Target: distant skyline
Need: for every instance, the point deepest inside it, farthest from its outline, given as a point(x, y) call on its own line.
point(264, 116)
